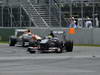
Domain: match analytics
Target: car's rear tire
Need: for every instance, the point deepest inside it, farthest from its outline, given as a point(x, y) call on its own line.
point(68, 46)
point(30, 50)
point(23, 43)
point(12, 42)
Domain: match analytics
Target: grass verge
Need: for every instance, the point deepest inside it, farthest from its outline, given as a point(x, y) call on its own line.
point(4, 42)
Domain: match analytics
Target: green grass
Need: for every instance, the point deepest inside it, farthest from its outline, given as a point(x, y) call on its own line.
point(4, 42)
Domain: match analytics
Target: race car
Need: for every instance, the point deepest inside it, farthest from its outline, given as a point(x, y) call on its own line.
point(23, 37)
point(52, 44)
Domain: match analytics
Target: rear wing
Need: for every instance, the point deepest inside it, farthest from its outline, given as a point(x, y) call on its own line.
point(19, 32)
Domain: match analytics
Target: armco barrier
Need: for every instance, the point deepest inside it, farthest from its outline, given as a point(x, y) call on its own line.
point(96, 36)
point(82, 36)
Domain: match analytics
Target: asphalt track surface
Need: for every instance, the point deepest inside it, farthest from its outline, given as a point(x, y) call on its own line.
point(17, 61)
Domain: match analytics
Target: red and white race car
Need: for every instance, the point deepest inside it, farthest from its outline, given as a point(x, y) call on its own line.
point(22, 38)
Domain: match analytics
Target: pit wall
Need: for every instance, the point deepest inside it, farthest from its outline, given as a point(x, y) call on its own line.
point(82, 36)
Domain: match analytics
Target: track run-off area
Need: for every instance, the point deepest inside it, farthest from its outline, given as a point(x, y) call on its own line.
point(16, 60)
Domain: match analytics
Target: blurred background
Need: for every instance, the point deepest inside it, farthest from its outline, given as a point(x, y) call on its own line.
point(45, 15)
